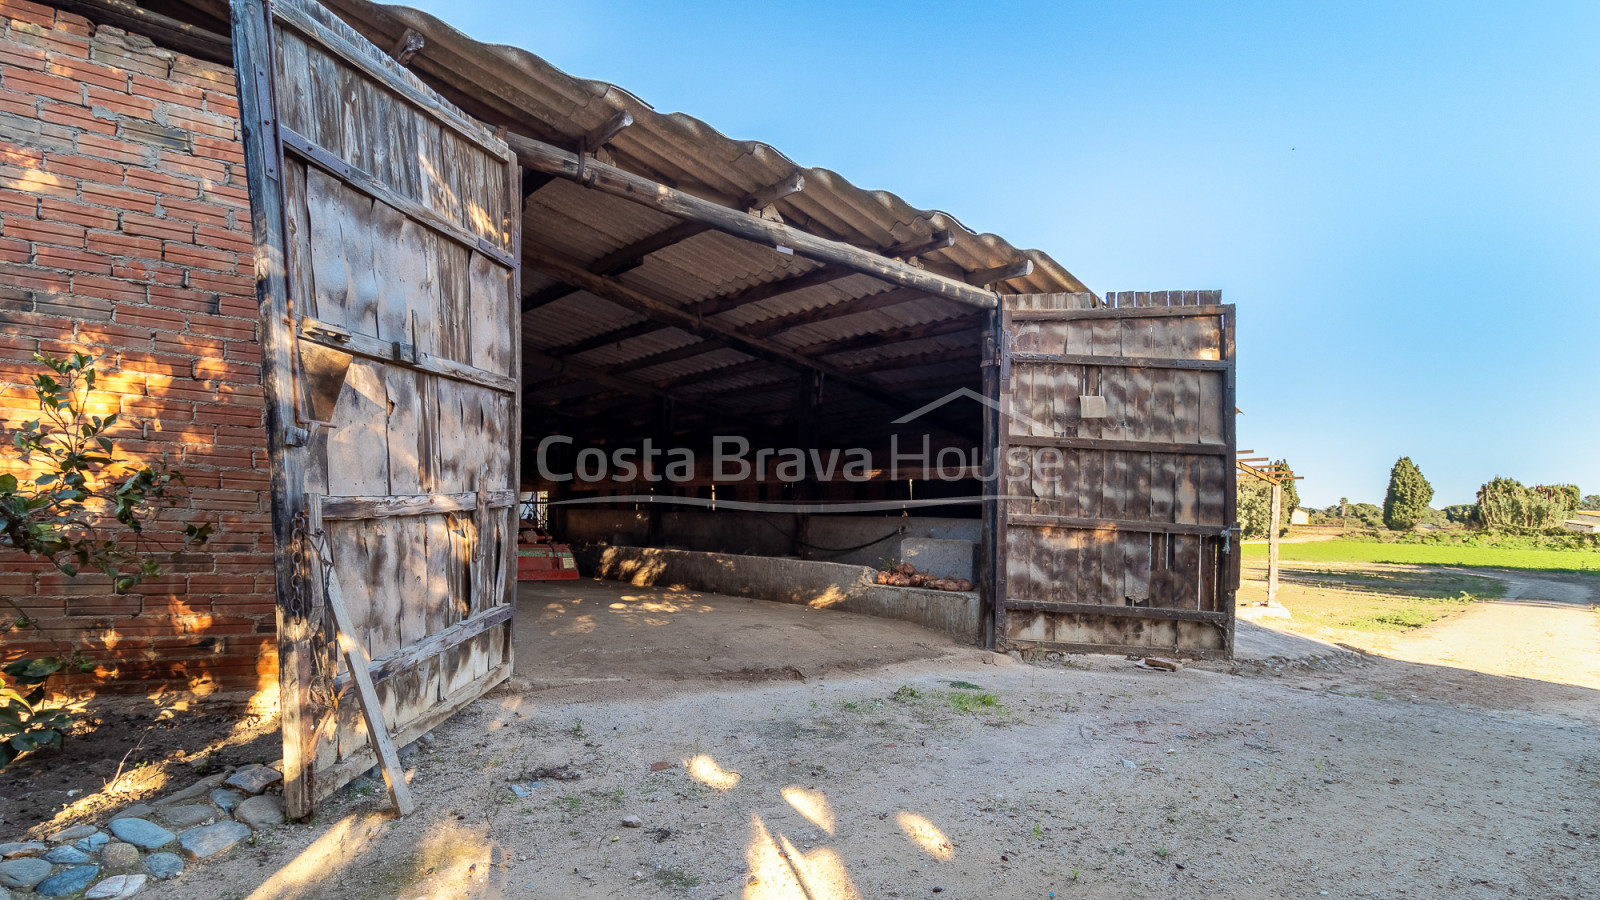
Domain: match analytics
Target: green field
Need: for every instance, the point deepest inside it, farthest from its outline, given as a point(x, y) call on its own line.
point(1434, 555)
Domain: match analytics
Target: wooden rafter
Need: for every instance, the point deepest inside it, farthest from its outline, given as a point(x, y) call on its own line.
point(669, 313)
point(1018, 269)
point(710, 306)
point(550, 159)
point(893, 297)
point(892, 336)
point(939, 241)
point(628, 256)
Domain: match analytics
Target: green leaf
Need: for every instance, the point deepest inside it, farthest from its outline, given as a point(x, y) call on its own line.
point(8, 483)
point(31, 671)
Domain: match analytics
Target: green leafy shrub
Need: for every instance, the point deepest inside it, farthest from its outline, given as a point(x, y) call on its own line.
point(24, 724)
point(82, 510)
point(1506, 504)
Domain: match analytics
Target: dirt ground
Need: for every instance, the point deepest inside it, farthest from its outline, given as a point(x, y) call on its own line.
point(787, 765)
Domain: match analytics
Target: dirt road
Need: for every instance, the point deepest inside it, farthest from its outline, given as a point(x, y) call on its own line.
point(1089, 780)
point(1542, 628)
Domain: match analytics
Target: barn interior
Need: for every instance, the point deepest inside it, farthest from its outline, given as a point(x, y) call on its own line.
point(643, 329)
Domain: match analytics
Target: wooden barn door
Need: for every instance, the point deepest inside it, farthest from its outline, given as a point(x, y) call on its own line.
point(1116, 522)
point(386, 228)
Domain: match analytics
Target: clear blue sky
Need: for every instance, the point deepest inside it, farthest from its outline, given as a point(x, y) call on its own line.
point(1402, 198)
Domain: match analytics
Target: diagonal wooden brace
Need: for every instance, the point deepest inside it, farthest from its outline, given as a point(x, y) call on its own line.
point(359, 664)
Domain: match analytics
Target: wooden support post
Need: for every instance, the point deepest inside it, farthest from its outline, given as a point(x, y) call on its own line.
point(360, 666)
point(1272, 543)
point(808, 428)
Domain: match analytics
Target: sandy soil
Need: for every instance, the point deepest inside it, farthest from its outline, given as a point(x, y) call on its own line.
point(1090, 779)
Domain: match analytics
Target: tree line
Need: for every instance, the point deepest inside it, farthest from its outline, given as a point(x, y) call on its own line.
point(1502, 504)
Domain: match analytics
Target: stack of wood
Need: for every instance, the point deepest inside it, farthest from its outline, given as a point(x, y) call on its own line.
point(906, 575)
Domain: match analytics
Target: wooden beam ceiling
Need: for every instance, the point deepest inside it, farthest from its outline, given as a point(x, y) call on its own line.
point(550, 159)
point(672, 314)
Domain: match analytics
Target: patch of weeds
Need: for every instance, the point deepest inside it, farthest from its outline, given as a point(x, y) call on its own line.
point(861, 705)
point(569, 803)
point(971, 701)
point(577, 728)
point(1162, 852)
point(675, 878)
point(964, 685)
point(904, 693)
point(1038, 832)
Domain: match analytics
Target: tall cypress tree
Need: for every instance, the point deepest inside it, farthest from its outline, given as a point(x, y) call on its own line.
point(1409, 494)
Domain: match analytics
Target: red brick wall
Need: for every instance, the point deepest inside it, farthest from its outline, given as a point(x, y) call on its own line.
point(125, 231)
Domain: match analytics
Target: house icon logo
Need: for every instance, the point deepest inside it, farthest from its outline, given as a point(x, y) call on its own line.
point(968, 393)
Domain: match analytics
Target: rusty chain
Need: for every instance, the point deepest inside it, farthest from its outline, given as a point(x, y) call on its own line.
point(301, 539)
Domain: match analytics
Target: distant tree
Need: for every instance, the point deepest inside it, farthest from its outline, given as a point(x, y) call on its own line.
point(1255, 508)
point(1589, 501)
point(1255, 502)
point(1406, 503)
point(1505, 503)
point(1460, 513)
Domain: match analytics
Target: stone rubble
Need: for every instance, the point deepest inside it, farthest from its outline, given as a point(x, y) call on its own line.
point(211, 817)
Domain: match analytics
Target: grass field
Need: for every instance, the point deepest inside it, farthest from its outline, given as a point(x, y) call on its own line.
point(1434, 555)
point(1332, 602)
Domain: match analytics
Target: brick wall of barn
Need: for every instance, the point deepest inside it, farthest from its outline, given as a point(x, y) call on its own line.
point(125, 231)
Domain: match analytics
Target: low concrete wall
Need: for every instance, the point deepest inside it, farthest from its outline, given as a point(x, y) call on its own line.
point(819, 585)
point(853, 540)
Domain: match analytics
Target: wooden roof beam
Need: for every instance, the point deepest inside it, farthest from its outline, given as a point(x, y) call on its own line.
point(916, 360)
point(894, 336)
point(598, 376)
point(710, 306)
point(631, 256)
point(550, 159)
point(167, 31)
point(408, 46)
point(986, 277)
point(622, 259)
point(671, 314)
point(892, 297)
point(939, 241)
point(794, 184)
point(602, 134)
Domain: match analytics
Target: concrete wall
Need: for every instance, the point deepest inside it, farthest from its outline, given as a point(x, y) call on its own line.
point(834, 538)
point(819, 585)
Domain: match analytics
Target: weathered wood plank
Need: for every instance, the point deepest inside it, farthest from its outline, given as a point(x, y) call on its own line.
point(327, 31)
point(1194, 449)
point(330, 334)
point(378, 507)
point(1126, 612)
point(1125, 362)
point(1147, 312)
point(326, 161)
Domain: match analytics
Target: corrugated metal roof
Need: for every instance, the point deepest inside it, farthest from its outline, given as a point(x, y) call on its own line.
point(513, 88)
point(683, 150)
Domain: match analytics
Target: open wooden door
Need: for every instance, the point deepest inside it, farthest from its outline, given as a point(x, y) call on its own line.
point(1115, 525)
point(386, 230)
